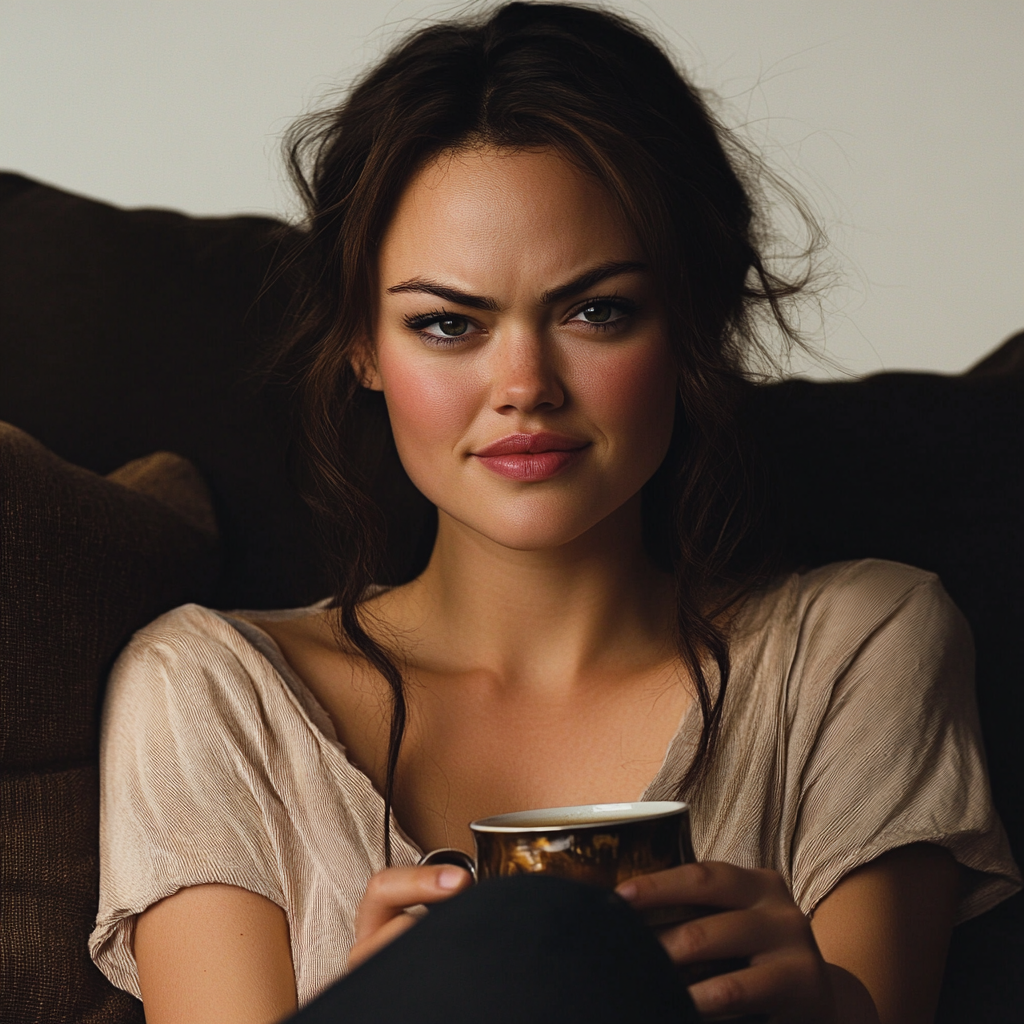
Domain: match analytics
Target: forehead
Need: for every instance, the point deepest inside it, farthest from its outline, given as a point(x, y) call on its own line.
point(503, 221)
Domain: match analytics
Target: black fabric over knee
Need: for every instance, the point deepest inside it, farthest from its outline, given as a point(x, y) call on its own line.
point(513, 950)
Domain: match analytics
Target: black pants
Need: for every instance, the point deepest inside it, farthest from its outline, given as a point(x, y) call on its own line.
point(526, 950)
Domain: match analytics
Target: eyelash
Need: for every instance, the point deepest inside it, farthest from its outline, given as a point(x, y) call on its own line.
point(627, 307)
point(417, 323)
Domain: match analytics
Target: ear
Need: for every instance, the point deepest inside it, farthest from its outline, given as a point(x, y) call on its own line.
point(364, 364)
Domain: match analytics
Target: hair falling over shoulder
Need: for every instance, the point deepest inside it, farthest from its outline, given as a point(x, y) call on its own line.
point(597, 89)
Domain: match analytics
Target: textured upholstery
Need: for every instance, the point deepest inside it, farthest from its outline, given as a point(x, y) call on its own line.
point(49, 872)
point(124, 332)
point(84, 562)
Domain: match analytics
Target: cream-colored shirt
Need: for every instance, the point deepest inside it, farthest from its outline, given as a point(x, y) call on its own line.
point(849, 728)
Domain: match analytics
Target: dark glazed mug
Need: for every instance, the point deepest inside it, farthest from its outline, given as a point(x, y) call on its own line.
point(601, 844)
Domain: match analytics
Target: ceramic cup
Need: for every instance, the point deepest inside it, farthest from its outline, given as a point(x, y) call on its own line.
point(602, 844)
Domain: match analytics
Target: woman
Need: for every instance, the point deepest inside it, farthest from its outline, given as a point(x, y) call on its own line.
point(527, 236)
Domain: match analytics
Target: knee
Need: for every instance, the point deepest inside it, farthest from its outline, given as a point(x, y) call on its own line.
point(541, 909)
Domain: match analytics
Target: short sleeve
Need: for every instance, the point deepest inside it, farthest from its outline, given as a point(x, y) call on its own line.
point(184, 794)
point(896, 756)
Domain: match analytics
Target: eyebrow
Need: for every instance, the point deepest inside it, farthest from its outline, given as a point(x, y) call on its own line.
point(582, 283)
point(589, 278)
point(443, 291)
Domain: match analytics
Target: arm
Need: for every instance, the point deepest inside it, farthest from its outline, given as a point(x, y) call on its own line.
point(888, 924)
point(215, 953)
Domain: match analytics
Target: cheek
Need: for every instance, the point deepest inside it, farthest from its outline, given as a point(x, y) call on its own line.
point(630, 393)
point(429, 408)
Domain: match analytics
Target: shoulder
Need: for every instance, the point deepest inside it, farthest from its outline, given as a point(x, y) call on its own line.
point(887, 612)
point(840, 607)
point(871, 587)
point(880, 638)
point(873, 635)
point(193, 673)
point(198, 637)
point(194, 722)
point(189, 642)
point(179, 629)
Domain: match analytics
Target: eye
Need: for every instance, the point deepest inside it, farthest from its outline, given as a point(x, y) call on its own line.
point(600, 313)
point(449, 327)
point(440, 327)
point(604, 314)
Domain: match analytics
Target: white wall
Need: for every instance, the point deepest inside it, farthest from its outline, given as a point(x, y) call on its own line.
point(902, 121)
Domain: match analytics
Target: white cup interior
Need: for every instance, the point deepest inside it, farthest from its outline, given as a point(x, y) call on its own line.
point(547, 818)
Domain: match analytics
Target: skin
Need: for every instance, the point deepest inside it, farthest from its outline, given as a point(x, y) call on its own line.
point(537, 644)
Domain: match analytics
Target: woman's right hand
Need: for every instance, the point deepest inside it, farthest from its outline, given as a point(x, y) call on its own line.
point(382, 913)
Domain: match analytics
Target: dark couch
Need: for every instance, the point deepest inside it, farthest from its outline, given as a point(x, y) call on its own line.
point(124, 333)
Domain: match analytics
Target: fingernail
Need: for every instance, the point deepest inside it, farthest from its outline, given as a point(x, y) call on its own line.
point(627, 890)
point(450, 878)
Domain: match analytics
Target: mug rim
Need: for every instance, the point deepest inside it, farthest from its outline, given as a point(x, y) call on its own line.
point(650, 810)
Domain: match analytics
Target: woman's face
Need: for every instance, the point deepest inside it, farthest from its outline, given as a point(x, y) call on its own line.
point(520, 346)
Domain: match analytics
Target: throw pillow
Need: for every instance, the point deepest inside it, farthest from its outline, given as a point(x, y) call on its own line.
point(84, 562)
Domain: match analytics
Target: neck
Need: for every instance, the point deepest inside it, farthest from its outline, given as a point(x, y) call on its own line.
point(596, 605)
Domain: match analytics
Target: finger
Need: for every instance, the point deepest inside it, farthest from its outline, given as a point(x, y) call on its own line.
point(363, 950)
point(389, 892)
point(707, 883)
point(735, 933)
point(760, 988)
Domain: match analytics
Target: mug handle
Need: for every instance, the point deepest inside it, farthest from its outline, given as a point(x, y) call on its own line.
point(447, 855)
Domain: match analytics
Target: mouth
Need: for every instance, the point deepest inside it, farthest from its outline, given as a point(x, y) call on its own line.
point(532, 457)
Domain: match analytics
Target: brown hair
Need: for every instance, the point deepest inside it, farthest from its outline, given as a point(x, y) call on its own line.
point(593, 86)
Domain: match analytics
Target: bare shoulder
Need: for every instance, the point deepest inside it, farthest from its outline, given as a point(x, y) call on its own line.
point(316, 631)
point(313, 647)
point(354, 697)
point(306, 628)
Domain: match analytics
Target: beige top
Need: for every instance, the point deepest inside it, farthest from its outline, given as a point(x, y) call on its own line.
point(849, 728)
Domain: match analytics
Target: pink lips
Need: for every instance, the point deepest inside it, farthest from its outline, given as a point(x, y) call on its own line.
point(531, 456)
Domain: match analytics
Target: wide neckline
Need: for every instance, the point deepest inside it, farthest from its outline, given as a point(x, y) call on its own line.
point(680, 748)
point(310, 709)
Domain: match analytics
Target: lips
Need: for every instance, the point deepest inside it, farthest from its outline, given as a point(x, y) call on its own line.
point(531, 456)
point(532, 444)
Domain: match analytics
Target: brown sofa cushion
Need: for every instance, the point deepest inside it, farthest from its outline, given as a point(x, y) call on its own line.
point(84, 562)
point(49, 870)
point(124, 332)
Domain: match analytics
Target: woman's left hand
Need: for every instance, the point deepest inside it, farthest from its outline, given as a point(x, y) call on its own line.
point(756, 918)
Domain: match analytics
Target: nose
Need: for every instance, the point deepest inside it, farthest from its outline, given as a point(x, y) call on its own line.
point(524, 377)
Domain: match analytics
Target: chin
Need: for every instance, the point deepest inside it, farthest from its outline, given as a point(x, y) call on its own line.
point(539, 537)
point(532, 526)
